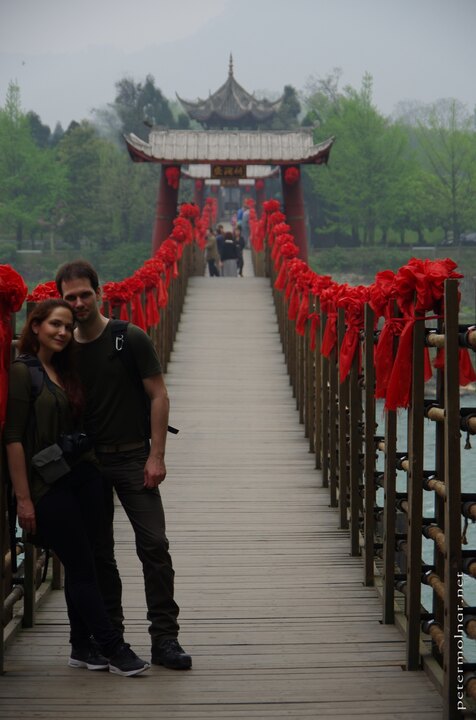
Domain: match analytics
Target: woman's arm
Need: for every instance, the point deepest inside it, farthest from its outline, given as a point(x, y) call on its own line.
point(19, 477)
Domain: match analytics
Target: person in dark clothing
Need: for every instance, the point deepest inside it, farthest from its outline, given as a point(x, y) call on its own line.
point(220, 238)
point(212, 256)
point(130, 445)
point(240, 246)
point(57, 485)
point(229, 256)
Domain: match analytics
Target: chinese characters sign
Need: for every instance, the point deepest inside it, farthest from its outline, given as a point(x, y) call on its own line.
point(228, 172)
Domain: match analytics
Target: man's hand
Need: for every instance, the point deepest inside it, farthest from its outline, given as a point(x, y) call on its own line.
point(154, 472)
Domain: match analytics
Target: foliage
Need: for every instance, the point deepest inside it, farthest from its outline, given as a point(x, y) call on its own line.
point(136, 106)
point(31, 181)
point(288, 114)
point(447, 146)
point(416, 173)
point(369, 170)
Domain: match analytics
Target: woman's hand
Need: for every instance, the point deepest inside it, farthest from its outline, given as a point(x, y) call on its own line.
point(26, 515)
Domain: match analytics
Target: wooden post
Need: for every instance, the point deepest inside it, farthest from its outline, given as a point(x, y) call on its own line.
point(342, 395)
point(318, 391)
point(453, 583)
point(369, 447)
point(295, 213)
point(166, 210)
point(325, 405)
point(389, 510)
point(354, 451)
point(415, 497)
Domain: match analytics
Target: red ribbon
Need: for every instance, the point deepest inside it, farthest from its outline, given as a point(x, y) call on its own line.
point(315, 322)
point(137, 311)
point(329, 339)
point(152, 315)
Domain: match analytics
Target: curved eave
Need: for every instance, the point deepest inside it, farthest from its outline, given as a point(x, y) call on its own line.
point(141, 151)
point(213, 107)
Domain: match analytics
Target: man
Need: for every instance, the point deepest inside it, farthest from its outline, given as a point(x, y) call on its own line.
point(120, 427)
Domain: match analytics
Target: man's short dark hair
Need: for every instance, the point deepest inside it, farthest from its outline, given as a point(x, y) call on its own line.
point(75, 270)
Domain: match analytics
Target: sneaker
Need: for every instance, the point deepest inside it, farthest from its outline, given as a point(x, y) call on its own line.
point(88, 657)
point(125, 662)
point(171, 655)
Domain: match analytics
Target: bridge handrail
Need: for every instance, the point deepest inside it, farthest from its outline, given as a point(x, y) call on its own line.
point(331, 335)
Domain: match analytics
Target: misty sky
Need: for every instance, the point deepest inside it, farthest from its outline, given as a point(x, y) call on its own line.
point(67, 55)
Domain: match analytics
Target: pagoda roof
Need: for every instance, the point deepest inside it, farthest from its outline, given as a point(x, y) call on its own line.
point(188, 147)
point(231, 103)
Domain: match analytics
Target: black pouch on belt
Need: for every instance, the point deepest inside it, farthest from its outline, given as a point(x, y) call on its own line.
point(50, 464)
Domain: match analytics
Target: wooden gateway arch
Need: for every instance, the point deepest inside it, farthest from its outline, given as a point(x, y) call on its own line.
point(234, 146)
point(229, 154)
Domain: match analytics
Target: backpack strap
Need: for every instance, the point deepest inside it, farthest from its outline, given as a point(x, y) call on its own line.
point(37, 373)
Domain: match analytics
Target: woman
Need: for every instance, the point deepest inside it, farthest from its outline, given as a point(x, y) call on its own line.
point(57, 486)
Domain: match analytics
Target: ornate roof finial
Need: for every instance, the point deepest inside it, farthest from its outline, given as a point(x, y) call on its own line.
point(230, 71)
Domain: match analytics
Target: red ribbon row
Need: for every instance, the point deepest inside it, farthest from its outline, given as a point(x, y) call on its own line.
point(416, 288)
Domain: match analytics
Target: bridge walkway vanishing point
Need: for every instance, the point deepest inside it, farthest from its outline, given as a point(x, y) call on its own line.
point(273, 608)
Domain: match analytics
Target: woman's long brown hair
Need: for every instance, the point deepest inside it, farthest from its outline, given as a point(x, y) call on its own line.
point(64, 362)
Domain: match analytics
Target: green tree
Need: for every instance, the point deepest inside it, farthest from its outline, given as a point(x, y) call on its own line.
point(365, 183)
point(136, 106)
point(79, 155)
point(287, 117)
point(447, 147)
point(111, 200)
point(31, 181)
point(40, 133)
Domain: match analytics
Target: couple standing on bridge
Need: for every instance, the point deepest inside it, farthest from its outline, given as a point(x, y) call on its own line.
point(63, 478)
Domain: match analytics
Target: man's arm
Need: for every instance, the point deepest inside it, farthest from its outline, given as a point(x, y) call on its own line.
point(155, 470)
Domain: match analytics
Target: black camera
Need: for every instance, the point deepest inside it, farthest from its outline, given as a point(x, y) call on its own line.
point(74, 444)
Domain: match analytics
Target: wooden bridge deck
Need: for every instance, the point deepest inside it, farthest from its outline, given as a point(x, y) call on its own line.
point(272, 606)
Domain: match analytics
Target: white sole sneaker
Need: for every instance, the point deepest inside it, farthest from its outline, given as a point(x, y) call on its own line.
point(128, 673)
point(82, 664)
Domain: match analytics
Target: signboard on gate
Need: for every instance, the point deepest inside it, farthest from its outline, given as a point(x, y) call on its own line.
point(228, 172)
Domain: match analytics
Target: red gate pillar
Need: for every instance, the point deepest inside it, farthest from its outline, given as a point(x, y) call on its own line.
point(260, 189)
point(199, 193)
point(293, 199)
point(166, 206)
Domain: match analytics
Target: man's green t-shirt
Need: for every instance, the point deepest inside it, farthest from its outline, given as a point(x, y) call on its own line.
point(115, 409)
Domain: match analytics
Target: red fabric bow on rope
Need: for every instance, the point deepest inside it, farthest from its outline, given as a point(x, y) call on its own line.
point(44, 291)
point(329, 298)
point(353, 301)
point(419, 287)
point(117, 294)
point(12, 294)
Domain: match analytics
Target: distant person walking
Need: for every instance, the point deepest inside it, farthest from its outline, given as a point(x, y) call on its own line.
point(240, 246)
point(229, 256)
point(212, 256)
